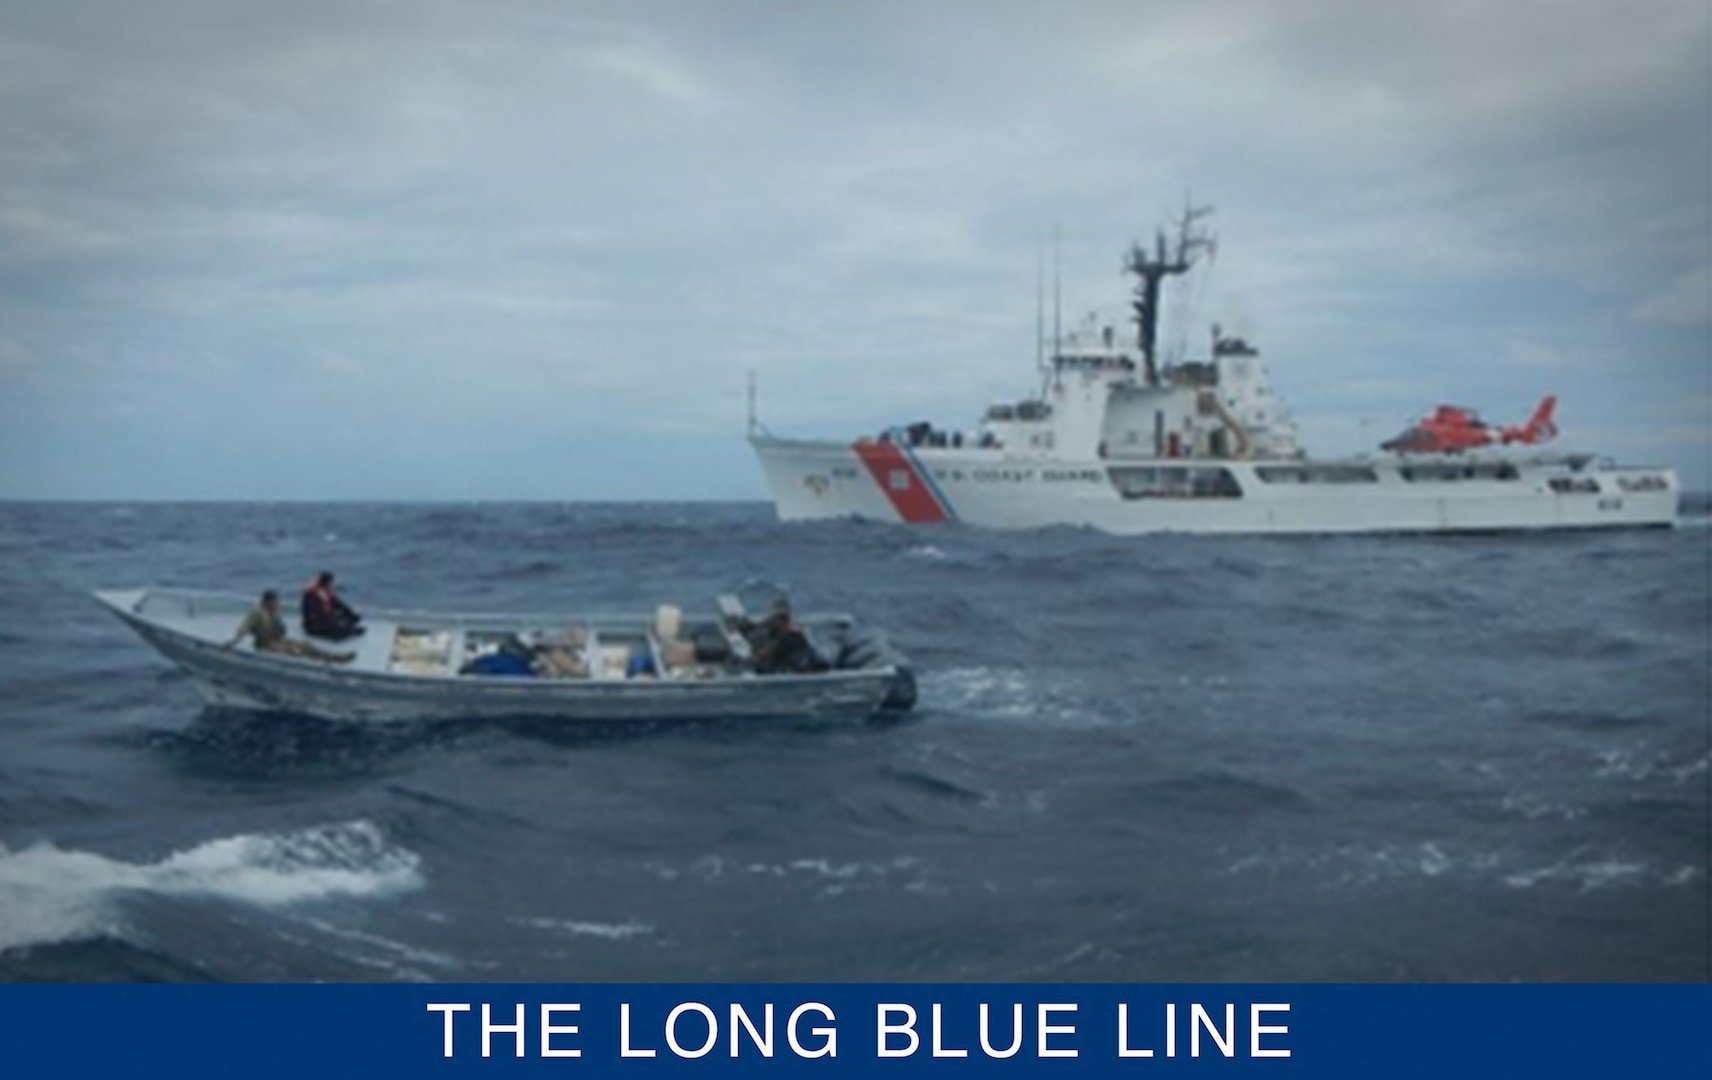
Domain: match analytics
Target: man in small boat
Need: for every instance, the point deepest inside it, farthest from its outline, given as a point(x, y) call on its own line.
point(780, 646)
point(325, 615)
point(265, 625)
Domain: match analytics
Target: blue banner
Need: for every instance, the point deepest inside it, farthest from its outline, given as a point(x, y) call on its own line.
point(260, 1032)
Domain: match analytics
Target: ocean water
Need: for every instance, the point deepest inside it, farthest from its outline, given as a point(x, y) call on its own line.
point(1159, 759)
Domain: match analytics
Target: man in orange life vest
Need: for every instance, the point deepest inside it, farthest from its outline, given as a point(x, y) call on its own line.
point(324, 614)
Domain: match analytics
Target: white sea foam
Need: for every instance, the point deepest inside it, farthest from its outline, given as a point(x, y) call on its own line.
point(1426, 859)
point(831, 877)
point(827, 868)
point(1433, 860)
point(1691, 769)
point(1683, 875)
point(584, 928)
point(1534, 808)
point(1589, 871)
point(1000, 688)
point(1641, 763)
point(816, 868)
point(395, 958)
point(1360, 865)
point(838, 871)
point(48, 894)
point(1618, 763)
point(1357, 865)
point(996, 694)
point(1588, 876)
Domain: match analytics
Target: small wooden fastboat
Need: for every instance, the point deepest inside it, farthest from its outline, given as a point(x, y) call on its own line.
point(578, 669)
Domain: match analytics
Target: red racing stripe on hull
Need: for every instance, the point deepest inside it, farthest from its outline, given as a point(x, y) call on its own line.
point(903, 486)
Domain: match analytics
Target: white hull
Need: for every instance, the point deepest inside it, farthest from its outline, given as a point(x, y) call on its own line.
point(191, 628)
point(990, 487)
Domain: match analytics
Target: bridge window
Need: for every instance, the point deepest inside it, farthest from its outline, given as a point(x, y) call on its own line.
point(1643, 482)
point(1316, 474)
point(1485, 470)
point(1148, 482)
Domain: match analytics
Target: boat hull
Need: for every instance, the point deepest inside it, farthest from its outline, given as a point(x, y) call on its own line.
point(811, 479)
point(241, 678)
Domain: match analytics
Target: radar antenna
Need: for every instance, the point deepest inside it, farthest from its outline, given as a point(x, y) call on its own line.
point(1171, 256)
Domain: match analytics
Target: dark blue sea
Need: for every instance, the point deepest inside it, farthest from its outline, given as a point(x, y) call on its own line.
point(1158, 759)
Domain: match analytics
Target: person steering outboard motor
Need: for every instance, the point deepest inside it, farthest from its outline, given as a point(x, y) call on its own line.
point(780, 646)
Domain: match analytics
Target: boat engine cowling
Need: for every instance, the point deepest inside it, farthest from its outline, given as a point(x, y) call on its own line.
point(861, 650)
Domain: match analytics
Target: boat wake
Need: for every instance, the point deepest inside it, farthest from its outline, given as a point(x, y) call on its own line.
point(50, 895)
point(1008, 694)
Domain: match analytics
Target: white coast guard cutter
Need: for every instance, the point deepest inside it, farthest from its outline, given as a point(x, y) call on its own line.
point(1119, 441)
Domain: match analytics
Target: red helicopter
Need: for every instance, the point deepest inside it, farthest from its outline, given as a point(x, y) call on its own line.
point(1451, 429)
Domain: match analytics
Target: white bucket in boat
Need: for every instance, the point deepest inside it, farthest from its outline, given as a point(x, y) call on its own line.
point(668, 620)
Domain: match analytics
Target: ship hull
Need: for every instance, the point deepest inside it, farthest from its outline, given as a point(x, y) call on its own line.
point(813, 479)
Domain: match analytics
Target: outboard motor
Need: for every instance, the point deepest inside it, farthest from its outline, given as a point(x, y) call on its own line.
point(865, 649)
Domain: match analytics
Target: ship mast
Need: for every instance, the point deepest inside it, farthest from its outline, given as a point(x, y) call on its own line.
point(1170, 257)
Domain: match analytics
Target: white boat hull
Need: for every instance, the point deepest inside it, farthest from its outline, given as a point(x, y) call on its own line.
point(190, 629)
point(987, 487)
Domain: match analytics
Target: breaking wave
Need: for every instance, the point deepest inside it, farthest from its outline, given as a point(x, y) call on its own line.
point(52, 895)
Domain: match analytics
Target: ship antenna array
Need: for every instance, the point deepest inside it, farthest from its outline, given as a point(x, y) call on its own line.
point(1171, 256)
point(1039, 306)
point(1057, 294)
point(755, 427)
point(1057, 307)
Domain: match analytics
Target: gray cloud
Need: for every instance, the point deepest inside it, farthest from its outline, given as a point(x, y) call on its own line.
point(551, 219)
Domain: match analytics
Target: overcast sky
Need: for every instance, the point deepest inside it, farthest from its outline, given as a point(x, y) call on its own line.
point(407, 249)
